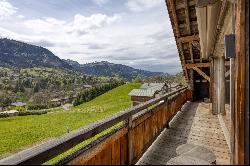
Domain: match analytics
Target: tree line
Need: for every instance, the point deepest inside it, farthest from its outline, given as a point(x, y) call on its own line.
point(91, 93)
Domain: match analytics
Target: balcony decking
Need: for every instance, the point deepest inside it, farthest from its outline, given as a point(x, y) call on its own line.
point(196, 125)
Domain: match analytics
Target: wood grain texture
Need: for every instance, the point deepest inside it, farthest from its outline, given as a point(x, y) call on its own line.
point(240, 85)
point(192, 65)
point(124, 150)
point(202, 73)
point(116, 152)
point(188, 39)
point(96, 152)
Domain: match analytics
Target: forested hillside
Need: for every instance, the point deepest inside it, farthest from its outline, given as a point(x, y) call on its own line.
point(22, 55)
point(44, 87)
point(108, 69)
point(16, 54)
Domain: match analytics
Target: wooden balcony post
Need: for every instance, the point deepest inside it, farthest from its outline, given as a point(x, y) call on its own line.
point(130, 141)
point(211, 84)
point(219, 86)
point(191, 82)
point(222, 86)
point(169, 114)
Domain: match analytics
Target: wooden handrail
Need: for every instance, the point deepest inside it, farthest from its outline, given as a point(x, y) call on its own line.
point(48, 150)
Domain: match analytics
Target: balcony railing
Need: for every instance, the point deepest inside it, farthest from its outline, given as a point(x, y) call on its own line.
point(123, 145)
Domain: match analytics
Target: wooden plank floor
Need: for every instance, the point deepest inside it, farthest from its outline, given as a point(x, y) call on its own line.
point(196, 125)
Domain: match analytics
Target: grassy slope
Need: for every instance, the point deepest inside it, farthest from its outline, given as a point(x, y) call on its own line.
point(17, 132)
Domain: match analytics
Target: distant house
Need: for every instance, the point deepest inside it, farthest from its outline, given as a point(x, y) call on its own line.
point(148, 91)
point(61, 101)
point(18, 104)
point(57, 101)
point(87, 86)
point(10, 112)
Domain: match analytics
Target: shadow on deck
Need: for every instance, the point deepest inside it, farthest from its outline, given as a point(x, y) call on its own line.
point(196, 125)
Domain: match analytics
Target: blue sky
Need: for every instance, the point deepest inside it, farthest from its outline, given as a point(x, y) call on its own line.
point(137, 33)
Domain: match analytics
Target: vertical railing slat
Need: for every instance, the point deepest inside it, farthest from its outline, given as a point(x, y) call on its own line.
point(130, 140)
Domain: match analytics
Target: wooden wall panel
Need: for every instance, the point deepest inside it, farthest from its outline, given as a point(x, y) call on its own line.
point(102, 153)
point(90, 161)
point(240, 84)
point(148, 130)
point(104, 157)
point(189, 95)
point(116, 152)
point(124, 150)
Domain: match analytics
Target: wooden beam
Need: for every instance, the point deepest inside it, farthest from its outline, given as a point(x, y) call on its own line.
point(211, 88)
point(183, 61)
point(227, 63)
point(130, 141)
point(187, 17)
point(201, 73)
point(181, 5)
point(202, 3)
point(190, 61)
point(171, 6)
point(196, 44)
point(192, 65)
point(240, 82)
point(227, 73)
point(191, 52)
point(188, 39)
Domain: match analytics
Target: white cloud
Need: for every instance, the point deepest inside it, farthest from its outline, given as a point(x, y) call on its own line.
point(140, 5)
point(83, 25)
point(80, 25)
point(44, 25)
point(6, 9)
point(100, 2)
point(21, 16)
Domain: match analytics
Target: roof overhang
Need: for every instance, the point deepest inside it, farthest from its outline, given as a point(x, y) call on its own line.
point(207, 12)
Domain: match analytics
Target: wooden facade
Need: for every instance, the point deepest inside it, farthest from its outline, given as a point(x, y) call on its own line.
point(200, 27)
point(241, 99)
point(140, 99)
point(148, 91)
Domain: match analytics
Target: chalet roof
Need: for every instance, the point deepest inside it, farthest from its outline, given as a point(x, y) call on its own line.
point(9, 112)
point(142, 92)
point(152, 86)
point(185, 27)
point(147, 89)
point(87, 86)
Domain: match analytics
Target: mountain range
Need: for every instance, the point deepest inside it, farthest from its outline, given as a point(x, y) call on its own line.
point(16, 54)
point(108, 69)
point(22, 55)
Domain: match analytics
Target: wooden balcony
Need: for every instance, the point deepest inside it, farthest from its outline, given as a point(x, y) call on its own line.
point(194, 124)
point(129, 143)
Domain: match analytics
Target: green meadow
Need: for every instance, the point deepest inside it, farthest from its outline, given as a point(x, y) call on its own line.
point(17, 133)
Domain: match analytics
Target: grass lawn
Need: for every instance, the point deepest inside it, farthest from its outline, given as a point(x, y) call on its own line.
point(19, 132)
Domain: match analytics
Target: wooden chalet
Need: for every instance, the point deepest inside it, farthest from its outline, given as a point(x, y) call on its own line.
point(147, 92)
point(213, 44)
